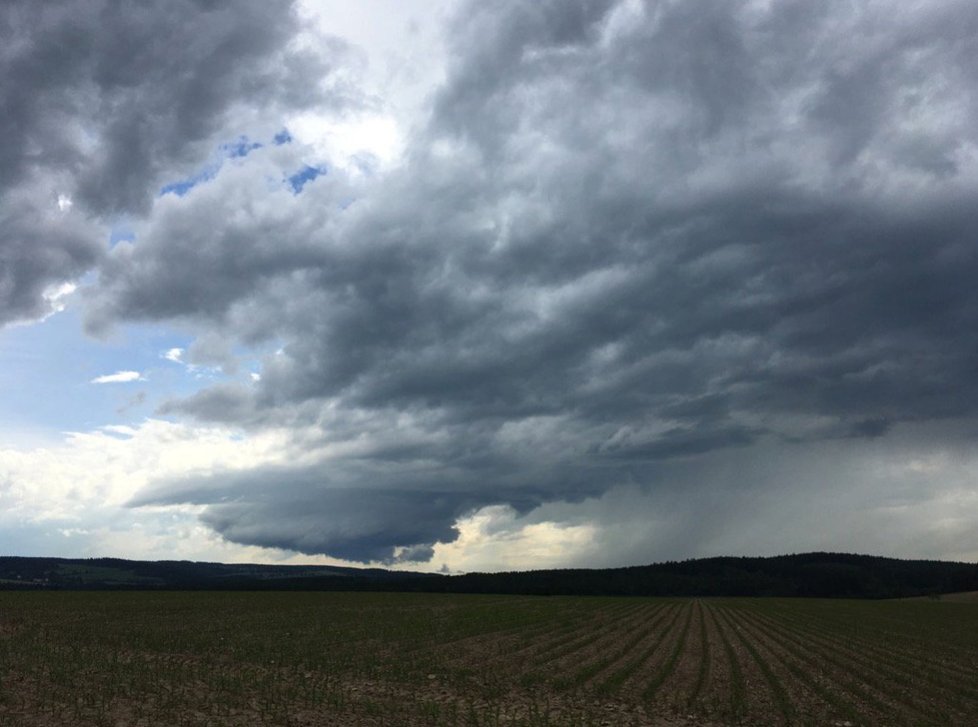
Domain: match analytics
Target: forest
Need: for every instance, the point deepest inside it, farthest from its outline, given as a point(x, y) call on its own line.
point(821, 575)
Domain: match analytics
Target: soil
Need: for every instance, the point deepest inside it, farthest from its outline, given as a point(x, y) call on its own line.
point(629, 662)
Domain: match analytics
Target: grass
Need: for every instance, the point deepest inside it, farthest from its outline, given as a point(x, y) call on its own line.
point(170, 658)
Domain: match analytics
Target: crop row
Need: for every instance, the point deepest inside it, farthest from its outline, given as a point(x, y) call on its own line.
point(768, 662)
point(322, 659)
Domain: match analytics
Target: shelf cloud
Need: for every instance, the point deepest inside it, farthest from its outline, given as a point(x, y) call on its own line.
point(628, 242)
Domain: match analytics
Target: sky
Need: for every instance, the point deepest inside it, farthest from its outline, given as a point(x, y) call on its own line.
point(458, 286)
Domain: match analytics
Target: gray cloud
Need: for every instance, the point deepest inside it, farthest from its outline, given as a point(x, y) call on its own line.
point(41, 248)
point(314, 511)
point(103, 102)
point(628, 234)
point(838, 495)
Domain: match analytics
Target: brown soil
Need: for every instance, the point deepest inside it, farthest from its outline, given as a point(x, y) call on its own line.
point(683, 684)
point(633, 662)
point(814, 697)
point(759, 700)
point(633, 672)
point(877, 685)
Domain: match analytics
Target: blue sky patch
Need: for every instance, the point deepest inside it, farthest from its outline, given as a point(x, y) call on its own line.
point(237, 149)
point(240, 148)
point(185, 185)
point(121, 234)
point(308, 173)
point(282, 137)
point(40, 397)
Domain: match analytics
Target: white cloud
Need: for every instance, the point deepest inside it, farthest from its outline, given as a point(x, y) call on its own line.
point(119, 377)
point(344, 142)
point(78, 489)
point(174, 354)
point(403, 60)
point(495, 538)
point(107, 465)
point(55, 296)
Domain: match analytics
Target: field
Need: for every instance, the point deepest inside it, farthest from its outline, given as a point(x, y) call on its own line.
point(168, 658)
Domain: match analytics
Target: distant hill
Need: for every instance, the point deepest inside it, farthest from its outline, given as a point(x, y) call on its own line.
point(109, 573)
point(825, 575)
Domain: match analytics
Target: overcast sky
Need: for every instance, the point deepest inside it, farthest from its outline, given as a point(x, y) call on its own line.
point(470, 285)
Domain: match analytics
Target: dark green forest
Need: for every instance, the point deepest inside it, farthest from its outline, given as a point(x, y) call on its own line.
point(822, 575)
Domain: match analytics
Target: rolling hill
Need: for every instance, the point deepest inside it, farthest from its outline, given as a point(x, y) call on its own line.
point(826, 575)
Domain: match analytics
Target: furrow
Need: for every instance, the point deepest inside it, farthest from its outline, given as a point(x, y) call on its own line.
point(738, 684)
point(901, 667)
point(614, 681)
point(505, 650)
point(666, 668)
point(908, 633)
point(782, 700)
point(761, 701)
point(597, 670)
point(703, 670)
point(567, 660)
point(713, 693)
point(676, 686)
point(829, 704)
point(953, 679)
point(579, 638)
point(873, 675)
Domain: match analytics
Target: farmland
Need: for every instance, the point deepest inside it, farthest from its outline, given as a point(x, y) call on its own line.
point(172, 658)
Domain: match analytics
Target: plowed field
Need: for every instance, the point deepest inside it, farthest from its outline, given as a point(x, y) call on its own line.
point(379, 659)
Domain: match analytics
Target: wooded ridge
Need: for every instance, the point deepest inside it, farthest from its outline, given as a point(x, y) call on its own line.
point(827, 575)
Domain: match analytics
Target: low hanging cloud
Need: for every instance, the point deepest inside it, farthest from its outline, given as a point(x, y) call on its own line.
point(301, 509)
point(629, 234)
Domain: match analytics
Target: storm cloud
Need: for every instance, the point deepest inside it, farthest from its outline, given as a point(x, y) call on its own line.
point(102, 102)
point(628, 234)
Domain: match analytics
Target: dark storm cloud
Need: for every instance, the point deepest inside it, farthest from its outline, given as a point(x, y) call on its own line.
point(629, 233)
point(309, 511)
point(102, 102)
